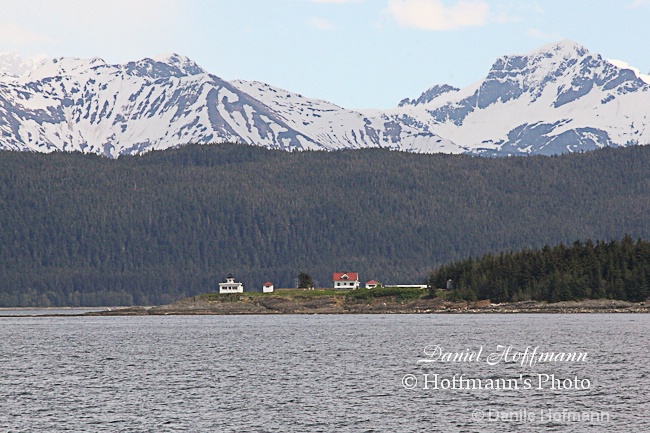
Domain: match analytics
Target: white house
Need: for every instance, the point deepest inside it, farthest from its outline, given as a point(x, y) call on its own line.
point(346, 280)
point(230, 286)
point(267, 287)
point(372, 284)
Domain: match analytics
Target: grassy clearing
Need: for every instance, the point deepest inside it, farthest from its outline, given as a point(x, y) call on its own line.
point(216, 297)
point(281, 293)
point(397, 293)
point(294, 293)
point(316, 293)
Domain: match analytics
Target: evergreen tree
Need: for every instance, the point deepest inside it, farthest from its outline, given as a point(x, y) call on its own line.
point(305, 281)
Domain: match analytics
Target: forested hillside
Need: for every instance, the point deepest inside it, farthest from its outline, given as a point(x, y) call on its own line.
point(613, 270)
point(84, 230)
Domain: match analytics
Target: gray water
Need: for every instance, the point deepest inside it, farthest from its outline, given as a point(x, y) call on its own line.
point(47, 311)
point(316, 373)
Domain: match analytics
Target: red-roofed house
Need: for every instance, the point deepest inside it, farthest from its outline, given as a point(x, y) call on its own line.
point(267, 287)
point(372, 284)
point(346, 280)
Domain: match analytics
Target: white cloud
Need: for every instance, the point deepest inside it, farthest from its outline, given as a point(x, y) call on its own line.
point(320, 23)
point(434, 15)
point(15, 35)
point(538, 34)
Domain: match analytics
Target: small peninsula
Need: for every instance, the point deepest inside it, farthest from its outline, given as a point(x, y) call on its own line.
point(294, 301)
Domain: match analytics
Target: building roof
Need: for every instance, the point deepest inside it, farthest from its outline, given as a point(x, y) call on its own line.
point(351, 276)
point(372, 282)
point(267, 284)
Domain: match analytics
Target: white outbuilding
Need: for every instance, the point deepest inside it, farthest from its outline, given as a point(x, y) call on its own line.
point(267, 287)
point(372, 284)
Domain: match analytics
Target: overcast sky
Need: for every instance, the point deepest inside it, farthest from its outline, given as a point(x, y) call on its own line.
point(355, 53)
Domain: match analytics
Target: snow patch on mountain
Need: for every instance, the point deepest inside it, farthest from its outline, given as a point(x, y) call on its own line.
point(429, 95)
point(182, 63)
point(623, 65)
point(13, 66)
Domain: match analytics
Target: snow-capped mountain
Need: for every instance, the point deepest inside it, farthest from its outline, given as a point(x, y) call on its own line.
point(559, 98)
point(88, 105)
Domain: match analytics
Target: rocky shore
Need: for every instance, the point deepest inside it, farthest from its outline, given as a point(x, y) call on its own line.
point(270, 304)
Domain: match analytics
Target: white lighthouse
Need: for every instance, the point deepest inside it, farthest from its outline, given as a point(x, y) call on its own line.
point(231, 286)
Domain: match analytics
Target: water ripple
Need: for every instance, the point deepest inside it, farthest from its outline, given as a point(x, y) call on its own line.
point(311, 373)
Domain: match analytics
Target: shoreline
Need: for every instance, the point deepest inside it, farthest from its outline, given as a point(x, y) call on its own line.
point(265, 305)
point(331, 305)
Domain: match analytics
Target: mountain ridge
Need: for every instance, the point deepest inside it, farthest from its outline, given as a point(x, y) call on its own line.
point(555, 99)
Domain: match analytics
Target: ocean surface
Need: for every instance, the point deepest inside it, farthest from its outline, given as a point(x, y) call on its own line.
point(47, 311)
point(338, 373)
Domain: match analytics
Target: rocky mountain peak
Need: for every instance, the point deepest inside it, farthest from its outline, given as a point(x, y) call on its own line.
point(429, 95)
point(182, 63)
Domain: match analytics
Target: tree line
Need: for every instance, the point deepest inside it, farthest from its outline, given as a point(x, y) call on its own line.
point(79, 229)
point(612, 270)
